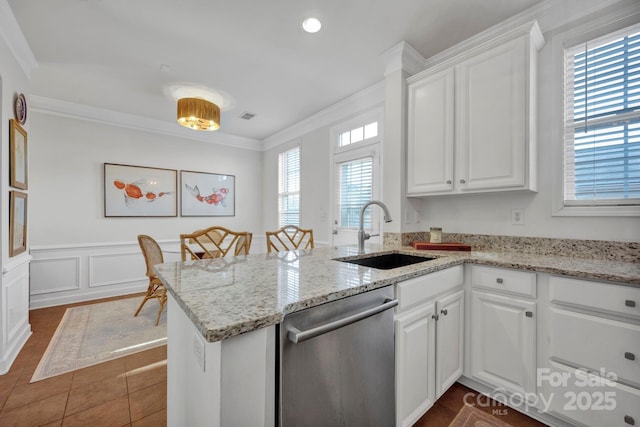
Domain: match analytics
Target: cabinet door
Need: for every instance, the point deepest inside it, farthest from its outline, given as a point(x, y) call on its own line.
point(490, 121)
point(503, 331)
point(430, 134)
point(415, 363)
point(449, 341)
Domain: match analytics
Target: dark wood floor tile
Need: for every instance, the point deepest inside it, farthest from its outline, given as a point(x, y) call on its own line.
point(108, 414)
point(36, 413)
point(111, 369)
point(157, 419)
point(23, 394)
point(145, 358)
point(437, 416)
point(148, 401)
point(147, 375)
point(96, 393)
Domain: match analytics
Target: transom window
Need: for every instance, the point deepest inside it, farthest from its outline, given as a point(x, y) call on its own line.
point(602, 121)
point(358, 134)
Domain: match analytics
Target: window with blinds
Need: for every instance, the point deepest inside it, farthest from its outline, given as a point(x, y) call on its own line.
point(355, 182)
point(602, 121)
point(289, 187)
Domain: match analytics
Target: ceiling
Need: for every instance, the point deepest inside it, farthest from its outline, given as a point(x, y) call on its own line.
point(127, 55)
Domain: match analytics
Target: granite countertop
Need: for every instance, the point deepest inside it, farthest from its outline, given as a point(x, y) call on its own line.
point(224, 297)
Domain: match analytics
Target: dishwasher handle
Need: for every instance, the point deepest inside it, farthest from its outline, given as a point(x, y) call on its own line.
point(295, 335)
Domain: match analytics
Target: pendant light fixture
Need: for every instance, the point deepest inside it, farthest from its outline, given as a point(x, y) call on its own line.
point(198, 114)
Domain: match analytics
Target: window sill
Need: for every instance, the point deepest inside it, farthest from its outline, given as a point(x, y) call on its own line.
point(597, 211)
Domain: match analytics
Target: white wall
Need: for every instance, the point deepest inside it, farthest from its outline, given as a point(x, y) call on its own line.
point(315, 202)
point(81, 255)
point(66, 181)
point(14, 285)
point(491, 213)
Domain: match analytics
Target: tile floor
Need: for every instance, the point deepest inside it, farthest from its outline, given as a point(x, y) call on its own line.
point(129, 391)
point(446, 408)
point(132, 390)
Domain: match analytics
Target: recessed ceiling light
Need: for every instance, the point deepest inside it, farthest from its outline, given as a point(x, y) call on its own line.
point(311, 25)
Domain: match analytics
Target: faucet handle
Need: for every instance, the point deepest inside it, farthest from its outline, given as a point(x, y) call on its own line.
point(372, 235)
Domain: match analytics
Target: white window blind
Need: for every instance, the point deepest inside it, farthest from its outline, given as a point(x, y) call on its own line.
point(289, 187)
point(355, 182)
point(602, 121)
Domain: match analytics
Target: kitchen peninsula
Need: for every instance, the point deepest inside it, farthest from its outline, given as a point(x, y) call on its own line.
point(223, 313)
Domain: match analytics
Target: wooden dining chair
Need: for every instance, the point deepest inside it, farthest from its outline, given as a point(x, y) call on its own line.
point(288, 238)
point(156, 290)
point(214, 242)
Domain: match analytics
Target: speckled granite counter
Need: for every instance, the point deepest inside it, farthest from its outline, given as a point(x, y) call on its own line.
point(227, 297)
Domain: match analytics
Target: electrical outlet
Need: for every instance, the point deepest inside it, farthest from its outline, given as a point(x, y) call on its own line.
point(198, 350)
point(517, 217)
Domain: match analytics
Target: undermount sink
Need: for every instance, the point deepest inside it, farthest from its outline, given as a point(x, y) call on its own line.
point(387, 261)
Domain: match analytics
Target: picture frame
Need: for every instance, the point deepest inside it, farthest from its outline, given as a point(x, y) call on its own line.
point(140, 191)
point(207, 194)
point(18, 176)
point(17, 223)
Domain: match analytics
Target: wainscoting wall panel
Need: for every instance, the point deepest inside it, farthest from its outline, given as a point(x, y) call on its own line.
point(14, 309)
point(65, 274)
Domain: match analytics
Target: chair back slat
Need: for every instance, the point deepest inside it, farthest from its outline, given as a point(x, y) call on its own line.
point(152, 253)
point(288, 238)
point(214, 242)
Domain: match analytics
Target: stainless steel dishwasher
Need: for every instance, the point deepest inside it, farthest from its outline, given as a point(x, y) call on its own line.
point(337, 363)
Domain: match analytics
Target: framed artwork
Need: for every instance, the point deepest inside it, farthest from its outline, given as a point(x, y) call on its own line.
point(139, 191)
point(17, 223)
point(207, 194)
point(18, 155)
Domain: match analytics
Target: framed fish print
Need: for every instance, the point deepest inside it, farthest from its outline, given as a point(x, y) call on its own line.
point(131, 191)
point(207, 194)
point(17, 223)
point(18, 155)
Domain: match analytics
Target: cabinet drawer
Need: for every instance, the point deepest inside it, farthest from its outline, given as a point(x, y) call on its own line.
point(413, 292)
point(590, 400)
point(503, 280)
point(596, 343)
point(617, 299)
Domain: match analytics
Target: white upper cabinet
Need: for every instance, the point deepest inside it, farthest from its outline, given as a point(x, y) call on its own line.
point(471, 119)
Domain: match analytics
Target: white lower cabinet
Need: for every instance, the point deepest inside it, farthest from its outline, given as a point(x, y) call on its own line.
point(503, 330)
point(592, 372)
point(429, 341)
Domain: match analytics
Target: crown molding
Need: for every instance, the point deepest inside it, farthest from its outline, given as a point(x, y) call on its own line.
point(402, 57)
point(13, 36)
point(114, 118)
point(356, 103)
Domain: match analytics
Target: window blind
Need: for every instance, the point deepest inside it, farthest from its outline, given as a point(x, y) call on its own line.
point(355, 183)
point(602, 121)
point(289, 187)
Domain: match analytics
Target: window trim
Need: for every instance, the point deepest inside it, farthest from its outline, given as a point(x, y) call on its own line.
point(577, 35)
point(292, 147)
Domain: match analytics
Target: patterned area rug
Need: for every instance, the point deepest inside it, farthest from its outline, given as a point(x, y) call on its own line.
point(95, 333)
point(470, 416)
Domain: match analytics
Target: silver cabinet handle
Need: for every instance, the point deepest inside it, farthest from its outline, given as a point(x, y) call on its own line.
point(295, 335)
point(444, 311)
point(629, 355)
point(499, 280)
point(528, 313)
point(435, 316)
point(629, 420)
point(462, 181)
point(448, 181)
point(629, 303)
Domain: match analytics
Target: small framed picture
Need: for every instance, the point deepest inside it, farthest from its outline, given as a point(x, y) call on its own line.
point(139, 191)
point(18, 155)
point(207, 194)
point(17, 223)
